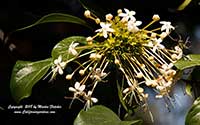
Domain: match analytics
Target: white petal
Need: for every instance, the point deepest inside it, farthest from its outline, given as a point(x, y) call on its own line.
point(132, 13)
point(74, 52)
point(77, 85)
point(137, 23)
point(132, 18)
point(95, 100)
point(81, 88)
point(62, 64)
point(163, 27)
point(75, 44)
point(110, 30)
point(105, 35)
point(163, 22)
point(159, 40)
point(89, 93)
point(122, 15)
point(56, 61)
point(99, 30)
point(60, 71)
point(161, 46)
point(59, 59)
point(72, 89)
point(125, 90)
point(102, 24)
point(126, 10)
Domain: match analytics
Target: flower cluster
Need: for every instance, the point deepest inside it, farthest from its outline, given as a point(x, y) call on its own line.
point(137, 52)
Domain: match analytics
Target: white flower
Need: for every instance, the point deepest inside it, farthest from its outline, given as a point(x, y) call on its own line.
point(157, 44)
point(77, 89)
point(98, 74)
point(105, 28)
point(90, 100)
point(59, 65)
point(72, 47)
point(127, 15)
point(132, 25)
point(166, 26)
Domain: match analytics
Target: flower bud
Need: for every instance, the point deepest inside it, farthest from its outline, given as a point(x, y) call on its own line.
point(97, 20)
point(87, 13)
point(119, 11)
point(142, 66)
point(88, 39)
point(93, 56)
point(69, 77)
point(151, 58)
point(81, 72)
point(156, 17)
point(139, 75)
point(140, 90)
point(109, 17)
point(146, 95)
point(126, 90)
point(117, 61)
point(153, 35)
point(174, 56)
point(98, 56)
point(163, 35)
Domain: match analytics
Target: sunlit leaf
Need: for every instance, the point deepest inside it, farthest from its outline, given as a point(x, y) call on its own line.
point(25, 75)
point(188, 61)
point(56, 18)
point(101, 115)
point(193, 116)
point(184, 4)
point(62, 47)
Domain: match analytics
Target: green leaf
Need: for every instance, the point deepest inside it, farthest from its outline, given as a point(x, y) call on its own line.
point(101, 115)
point(188, 61)
point(25, 75)
point(188, 89)
point(184, 4)
point(62, 47)
point(57, 17)
point(193, 116)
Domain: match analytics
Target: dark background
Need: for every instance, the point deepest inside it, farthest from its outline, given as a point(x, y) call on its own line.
point(36, 43)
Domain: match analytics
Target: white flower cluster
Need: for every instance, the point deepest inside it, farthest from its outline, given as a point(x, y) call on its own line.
point(139, 54)
point(132, 24)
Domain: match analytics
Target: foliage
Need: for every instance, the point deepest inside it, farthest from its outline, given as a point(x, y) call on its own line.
point(136, 53)
point(193, 116)
point(100, 115)
point(25, 75)
point(188, 61)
